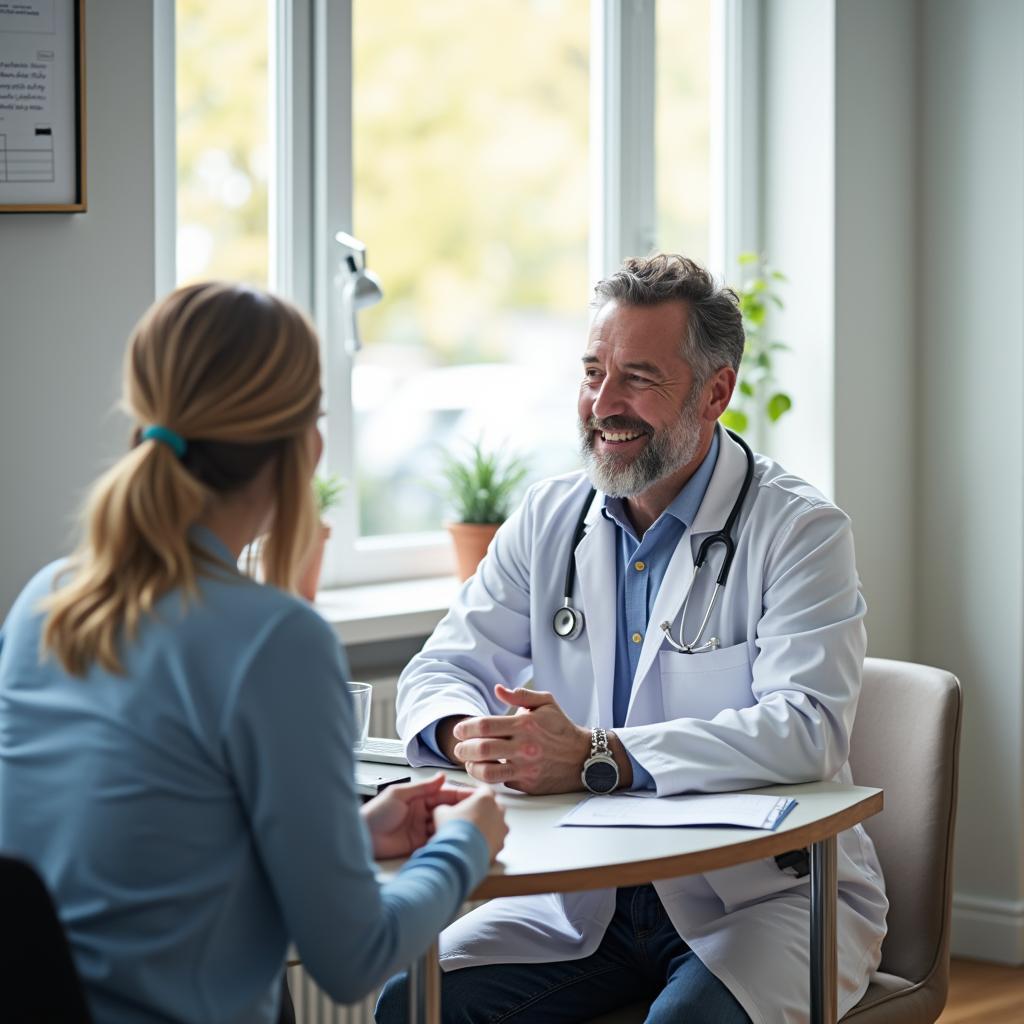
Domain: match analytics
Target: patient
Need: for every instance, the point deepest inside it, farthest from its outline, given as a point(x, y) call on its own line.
point(175, 738)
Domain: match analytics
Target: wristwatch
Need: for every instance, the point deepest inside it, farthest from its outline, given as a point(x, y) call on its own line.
point(600, 772)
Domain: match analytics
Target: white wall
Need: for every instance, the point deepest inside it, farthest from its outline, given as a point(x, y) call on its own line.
point(71, 286)
point(873, 419)
point(970, 515)
point(839, 218)
point(894, 198)
point(799, 223)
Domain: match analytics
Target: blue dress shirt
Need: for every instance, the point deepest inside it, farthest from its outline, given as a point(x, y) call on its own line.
point(639, 570)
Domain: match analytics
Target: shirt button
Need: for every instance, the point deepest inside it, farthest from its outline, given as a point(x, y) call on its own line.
point(636, 638)
point(639, 566)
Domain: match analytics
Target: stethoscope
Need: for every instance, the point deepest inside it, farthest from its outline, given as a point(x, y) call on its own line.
point(568, 621)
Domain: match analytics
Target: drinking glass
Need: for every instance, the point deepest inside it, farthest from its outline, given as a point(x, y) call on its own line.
point(361, 694)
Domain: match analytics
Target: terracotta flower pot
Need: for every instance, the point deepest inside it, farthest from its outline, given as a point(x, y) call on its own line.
point(309, 578)
point(470, 540)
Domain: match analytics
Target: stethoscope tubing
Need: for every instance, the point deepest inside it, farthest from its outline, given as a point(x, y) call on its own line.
point(568, 621)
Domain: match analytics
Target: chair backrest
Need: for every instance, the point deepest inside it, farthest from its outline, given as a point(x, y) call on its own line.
point(906, 739)
point(38, 981)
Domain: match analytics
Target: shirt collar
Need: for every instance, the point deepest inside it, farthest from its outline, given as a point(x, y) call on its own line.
point(203, 537)
point(684, 505)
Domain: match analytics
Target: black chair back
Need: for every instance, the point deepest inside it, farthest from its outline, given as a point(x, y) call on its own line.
point(38, 981)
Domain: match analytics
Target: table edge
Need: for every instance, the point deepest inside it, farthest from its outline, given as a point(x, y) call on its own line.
point(697, 862)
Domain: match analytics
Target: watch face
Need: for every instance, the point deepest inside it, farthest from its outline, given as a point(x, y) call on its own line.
point(601, 776)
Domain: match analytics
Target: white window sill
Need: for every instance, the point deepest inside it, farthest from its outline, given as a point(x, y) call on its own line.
point(387, 611)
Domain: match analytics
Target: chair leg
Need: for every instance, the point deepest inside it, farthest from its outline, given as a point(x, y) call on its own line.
point(824, 894)
point(287, 1014)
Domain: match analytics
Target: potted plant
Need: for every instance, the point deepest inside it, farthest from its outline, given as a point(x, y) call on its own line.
point(481, 486)
point(757, 401)
point(327, 491)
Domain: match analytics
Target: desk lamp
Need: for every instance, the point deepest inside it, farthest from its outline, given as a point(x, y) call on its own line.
point(360, 288)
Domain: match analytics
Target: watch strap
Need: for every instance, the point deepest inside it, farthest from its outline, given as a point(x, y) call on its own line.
point(600, 759)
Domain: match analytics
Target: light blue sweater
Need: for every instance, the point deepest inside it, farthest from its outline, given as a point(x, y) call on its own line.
point(195, 814)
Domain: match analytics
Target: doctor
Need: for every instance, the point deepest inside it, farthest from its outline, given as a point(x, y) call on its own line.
point(573, 593)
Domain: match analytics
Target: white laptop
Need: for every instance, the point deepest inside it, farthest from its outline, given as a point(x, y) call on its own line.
point(382, 751)
point(379, 764)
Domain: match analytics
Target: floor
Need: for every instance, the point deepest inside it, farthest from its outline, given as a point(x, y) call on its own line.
point(984, 993)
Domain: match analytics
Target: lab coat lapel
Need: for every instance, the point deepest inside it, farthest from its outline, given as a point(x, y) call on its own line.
point(721, 494)
point(595, 569)
point(723, 488)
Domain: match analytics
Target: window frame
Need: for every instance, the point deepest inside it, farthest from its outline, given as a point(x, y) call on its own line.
point(312, 197)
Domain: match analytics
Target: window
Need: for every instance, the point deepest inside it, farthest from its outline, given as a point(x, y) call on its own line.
point(472, 197)
point(494, 166)
point(223, 140)
point(682, 105)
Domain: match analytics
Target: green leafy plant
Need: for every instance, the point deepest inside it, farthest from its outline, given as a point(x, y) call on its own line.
point(327, 492)
point(481, 485)
point(757, 400)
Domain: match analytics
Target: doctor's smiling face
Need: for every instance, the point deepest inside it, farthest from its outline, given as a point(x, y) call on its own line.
point(645, 418)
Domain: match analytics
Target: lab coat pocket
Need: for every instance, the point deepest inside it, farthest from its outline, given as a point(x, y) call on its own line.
point(748, 882)
point(701, 685)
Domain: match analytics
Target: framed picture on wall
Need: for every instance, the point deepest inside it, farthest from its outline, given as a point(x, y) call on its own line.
point(42, 106)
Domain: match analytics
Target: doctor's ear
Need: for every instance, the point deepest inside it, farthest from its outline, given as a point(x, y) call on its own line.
point(718, 392)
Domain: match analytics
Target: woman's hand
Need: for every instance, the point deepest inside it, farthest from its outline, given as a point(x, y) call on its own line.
point(401, 819)
point(483, 810)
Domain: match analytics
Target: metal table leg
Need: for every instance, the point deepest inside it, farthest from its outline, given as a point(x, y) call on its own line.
point(425, 988)
point(824, 898)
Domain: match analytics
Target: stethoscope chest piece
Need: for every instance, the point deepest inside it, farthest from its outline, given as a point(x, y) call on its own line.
point(567, 623)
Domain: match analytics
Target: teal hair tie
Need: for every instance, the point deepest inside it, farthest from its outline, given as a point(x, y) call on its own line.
point(168, 437)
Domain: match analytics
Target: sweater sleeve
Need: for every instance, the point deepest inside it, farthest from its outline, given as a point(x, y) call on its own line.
point(287, 734)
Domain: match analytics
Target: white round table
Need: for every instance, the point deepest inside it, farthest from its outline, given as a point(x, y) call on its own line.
point(540, 857)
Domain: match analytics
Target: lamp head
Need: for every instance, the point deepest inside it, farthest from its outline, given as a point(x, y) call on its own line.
point(361, 287)
point(351, 243)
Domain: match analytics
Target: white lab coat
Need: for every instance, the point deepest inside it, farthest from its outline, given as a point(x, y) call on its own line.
point(775, 704)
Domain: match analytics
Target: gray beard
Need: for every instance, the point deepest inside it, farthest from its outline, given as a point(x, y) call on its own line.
point(665, 452)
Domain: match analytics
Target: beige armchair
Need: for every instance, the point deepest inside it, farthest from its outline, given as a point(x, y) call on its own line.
point(906, 740)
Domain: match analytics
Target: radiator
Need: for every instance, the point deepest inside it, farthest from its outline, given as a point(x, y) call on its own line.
point(313, 1007)
point(382, 707)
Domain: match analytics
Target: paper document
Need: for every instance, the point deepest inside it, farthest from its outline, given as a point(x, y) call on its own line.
point(745, 810)
point(38, 102)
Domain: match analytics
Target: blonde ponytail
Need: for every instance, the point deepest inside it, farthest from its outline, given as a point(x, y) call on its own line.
point(236, 373)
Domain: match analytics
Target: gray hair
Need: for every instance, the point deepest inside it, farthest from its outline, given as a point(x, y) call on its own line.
point(714, 325)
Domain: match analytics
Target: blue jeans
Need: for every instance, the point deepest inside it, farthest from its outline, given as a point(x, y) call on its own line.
point(640, 957)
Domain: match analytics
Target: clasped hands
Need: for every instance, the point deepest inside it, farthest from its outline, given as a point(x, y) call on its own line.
point(537, 750)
